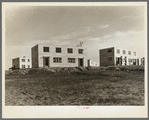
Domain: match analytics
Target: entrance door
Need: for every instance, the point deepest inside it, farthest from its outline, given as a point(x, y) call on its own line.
point(46, 62)
point(80, 61)
point(134, 61)
point(118, 61)
point(137, 61)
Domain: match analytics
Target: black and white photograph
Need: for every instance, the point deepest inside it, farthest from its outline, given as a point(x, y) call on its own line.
point(76, 56)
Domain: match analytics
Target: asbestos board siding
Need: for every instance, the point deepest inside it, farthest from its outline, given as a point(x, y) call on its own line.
point(64, 55)
point(34, 54)
point(16, 63)
point(107, 58)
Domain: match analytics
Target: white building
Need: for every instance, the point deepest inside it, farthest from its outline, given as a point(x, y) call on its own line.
point(21, 62)
point(92, 63)
point(117, 56)
point(44, 55)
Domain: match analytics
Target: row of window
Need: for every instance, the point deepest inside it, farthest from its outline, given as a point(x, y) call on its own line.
point(23, 66)
point(124, 52)
point(59, 50)
point(23, 60)
point(59, 60)
point(129, 60)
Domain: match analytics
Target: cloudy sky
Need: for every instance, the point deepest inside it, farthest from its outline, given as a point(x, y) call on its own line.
point(97, 26)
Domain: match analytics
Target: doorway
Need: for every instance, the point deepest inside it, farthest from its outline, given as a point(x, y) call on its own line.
point(46, 62)
point(118, 61)
point(134, 61)
point(80, 62)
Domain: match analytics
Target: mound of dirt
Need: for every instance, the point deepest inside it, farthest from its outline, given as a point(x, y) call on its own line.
point(72, 70)
point(8, 72)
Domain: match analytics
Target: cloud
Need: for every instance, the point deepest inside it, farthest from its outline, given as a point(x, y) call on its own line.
point(132, 16)
point(102, 26)
point(120, 33)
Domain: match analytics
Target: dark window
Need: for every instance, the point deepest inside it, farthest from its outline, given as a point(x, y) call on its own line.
point(57, 60)
point(70, 50)
point(134, 53)
point(28, 66)
point(45, 49)
point(124, 52)
point(118, 51)
point(129, 52)
point(28, 60)
point(23, 60)
point(23, 66)
point(80, 51)
point(109, 50)
point(110, 58)
point(58, 50)
point(71, 60)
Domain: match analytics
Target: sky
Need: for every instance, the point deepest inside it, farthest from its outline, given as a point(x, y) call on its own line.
point(97, 26)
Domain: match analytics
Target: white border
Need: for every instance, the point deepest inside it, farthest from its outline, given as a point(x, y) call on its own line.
point(71, 111)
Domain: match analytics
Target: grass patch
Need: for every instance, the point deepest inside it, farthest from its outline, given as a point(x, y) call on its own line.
point(93, 87)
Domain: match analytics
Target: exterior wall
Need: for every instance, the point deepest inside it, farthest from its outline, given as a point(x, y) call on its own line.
point(92, 63)
point(64, 56)
point(34, 54)
point(26, 63)
point(104, 55)
point(15, 63)
point(126, 55)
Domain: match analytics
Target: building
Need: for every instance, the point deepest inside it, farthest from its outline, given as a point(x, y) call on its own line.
point(116, 56)
point(92, 63)
point(58, 56)
point(21, 62)
point(142, 61)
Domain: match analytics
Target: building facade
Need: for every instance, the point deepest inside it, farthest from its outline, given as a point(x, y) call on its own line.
point(21, 62)
point(58, 56)
point(115, 56)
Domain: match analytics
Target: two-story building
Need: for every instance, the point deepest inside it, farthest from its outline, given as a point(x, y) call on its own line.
point(44, 55)
point(21, 62)
point(117, 56)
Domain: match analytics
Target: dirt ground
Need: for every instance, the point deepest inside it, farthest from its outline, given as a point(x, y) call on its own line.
point(90, 88)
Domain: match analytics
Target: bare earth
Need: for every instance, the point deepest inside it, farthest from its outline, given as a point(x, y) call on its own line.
point(90, 88)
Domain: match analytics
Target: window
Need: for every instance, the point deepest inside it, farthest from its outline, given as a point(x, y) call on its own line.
point(80, 51)
point(110, 58)
point(57, 60)
point(28, 60)
point(71, 60)
point(58, 50)
point(134, 53)
point(124, 52)
point(129, 60)
point(70, 50)
point(28, 66)
point(23, 60)
point(129, 52)
point(118, 51)
point(45, 49)
point(23, 66)
point(109, 50)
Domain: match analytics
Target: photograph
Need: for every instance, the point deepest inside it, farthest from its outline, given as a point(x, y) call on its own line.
point(83, 56)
